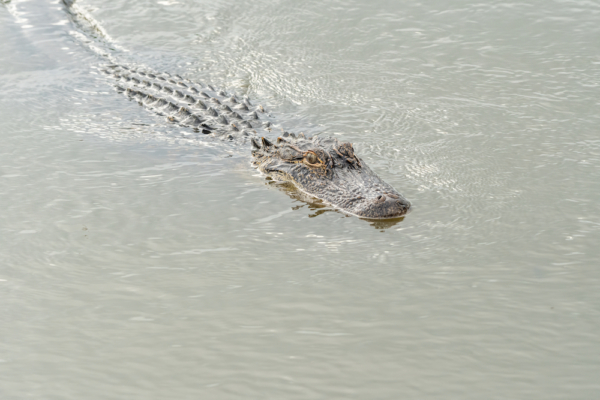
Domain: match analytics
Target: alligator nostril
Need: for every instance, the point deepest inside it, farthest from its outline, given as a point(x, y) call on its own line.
point(380, 199)
point(404, 203)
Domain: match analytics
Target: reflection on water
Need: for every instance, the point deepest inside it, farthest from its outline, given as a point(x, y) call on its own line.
point(383, 224)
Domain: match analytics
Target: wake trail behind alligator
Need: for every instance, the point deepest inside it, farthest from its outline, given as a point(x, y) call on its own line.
point(224, 115)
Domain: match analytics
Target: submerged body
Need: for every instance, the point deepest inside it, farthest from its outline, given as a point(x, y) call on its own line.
point(320, 167)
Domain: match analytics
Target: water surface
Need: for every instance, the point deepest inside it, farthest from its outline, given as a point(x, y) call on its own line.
point(137, 264)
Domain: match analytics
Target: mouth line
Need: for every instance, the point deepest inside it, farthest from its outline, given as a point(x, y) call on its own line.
point(385, 217)
point(376, 218)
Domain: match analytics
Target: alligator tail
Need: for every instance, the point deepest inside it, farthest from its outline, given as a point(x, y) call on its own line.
point(90, 33)
point(181, 101)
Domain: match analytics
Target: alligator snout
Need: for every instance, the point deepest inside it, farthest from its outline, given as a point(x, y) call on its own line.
point(384, 205)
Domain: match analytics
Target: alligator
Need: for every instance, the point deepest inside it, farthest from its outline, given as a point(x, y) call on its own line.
point(321, 167)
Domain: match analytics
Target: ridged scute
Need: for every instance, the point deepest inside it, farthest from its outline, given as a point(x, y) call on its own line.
point(184, 102)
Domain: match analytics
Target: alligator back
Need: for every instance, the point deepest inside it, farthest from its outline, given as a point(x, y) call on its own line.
point(202, 108)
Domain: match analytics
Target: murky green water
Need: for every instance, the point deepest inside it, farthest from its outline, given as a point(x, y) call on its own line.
point(135, 264)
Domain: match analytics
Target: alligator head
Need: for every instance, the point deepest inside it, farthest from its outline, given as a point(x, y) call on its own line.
point(329, 170)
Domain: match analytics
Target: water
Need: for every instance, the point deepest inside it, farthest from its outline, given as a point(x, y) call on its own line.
point(136, 264)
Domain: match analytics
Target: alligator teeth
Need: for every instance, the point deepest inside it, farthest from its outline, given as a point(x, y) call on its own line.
point(266, 142)
point(255, 145)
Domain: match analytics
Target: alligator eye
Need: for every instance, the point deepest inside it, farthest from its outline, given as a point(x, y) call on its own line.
point(311, 158)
